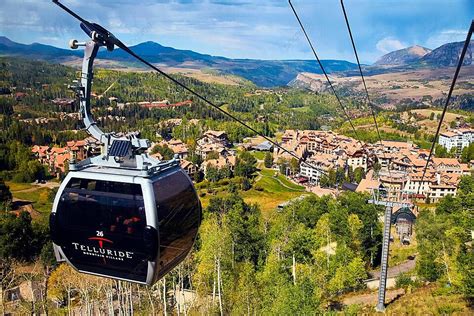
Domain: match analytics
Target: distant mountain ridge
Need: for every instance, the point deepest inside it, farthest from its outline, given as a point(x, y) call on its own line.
point(35, 50)
point(403, 56)
point(446, 55)
point(265, 73)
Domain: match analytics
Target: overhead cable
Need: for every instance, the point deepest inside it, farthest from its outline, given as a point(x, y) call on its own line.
point(372, 109)
point(344, 110)
point(109, 38)
point(448, 98)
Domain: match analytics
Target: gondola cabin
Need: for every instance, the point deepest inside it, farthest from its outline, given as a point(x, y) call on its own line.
point(403, 219)
point(121, 214)
point(123, 225)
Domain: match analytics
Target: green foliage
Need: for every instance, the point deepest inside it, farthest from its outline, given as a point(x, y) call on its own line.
point(281, 265)
point(268, 161)
point(403, 280)
point(212, 155)
point(19, 238)
point(448, 309)
point(17, 157)
point(359, 174)
point(6, 105)
point(214, 174)
point(467, 153)
point(246, 184)
point(5, 195)
point(348, 277)
point(441, 152)
point(29, 172)
point(294, 166)
point(47, 255)
point(166, 152)
point(245, 165)
point(443, 238)
point(333, 178)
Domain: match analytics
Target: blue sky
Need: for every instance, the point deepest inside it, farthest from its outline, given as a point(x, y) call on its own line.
point(264, 29)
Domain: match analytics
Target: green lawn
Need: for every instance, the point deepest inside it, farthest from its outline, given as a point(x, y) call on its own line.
point(18, 186)
point(39, 198)
point(277, 184)
point(303, 109)
point(259, 155)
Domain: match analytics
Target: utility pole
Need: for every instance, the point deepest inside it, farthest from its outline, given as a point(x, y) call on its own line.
point(389, 205)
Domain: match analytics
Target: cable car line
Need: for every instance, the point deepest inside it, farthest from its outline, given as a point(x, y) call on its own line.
point(369, 102)
point(448, 98)
point(361, 73)
point(109, 39)
point(323, 70)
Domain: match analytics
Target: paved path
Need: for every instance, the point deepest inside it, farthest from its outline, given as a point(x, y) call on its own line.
point(393, 272)
point(36, 186)
point(371, 298)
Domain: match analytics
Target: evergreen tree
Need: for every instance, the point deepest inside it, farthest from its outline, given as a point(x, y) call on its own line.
point(245, 165)
point(268, 161)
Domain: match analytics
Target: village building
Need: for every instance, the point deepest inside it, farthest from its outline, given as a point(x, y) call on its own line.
point(214, 137)
point(188, 167)
point(41, 153)
point(177, 146)
point(57, 159)
point(402, 164)
point(450, 165)
point(457, 139)
point(318, 165)
point(219, 163)
point(213, 141)
point(29, 291)
point(77, 149)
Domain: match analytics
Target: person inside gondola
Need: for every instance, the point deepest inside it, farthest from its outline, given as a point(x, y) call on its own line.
point(117, 226)
point(132, 224)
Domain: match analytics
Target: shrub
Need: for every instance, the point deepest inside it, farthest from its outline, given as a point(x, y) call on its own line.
point(246, 185)
point(448, 309)
point(403, 280)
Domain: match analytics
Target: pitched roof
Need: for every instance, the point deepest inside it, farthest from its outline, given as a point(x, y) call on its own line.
point(366, 184)
point(446, 161)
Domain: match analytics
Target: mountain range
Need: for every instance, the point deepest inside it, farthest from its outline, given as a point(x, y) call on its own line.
point(444, 56)
point(265, 73)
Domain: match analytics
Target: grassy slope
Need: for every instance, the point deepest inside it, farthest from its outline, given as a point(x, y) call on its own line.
point(274, 192)
point(38, 196)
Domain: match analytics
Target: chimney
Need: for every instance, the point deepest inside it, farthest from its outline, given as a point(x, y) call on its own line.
point(438, 178)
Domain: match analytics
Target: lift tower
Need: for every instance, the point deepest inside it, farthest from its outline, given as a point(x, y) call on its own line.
point(381, 196)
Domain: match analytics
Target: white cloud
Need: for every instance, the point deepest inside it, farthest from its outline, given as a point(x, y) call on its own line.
point(389, 44)
point(445, 36)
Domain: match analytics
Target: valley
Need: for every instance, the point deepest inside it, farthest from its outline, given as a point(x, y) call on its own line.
point(426, 87)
